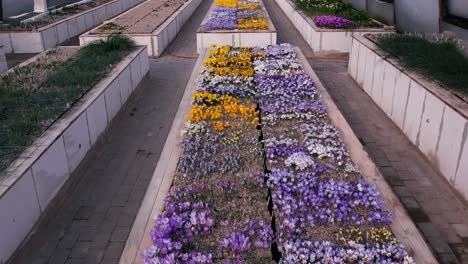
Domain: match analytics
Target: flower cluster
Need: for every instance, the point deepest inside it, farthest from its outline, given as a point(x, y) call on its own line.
point(233, 14)
point(300, 251)
point(336, 14)
point(213, 210)
point(224, 18)
point(332, 22)
point(316, 189)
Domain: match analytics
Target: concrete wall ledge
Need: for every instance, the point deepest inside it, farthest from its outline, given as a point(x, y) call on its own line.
point(433, 119)
point(158, 40)
point(49, 36)
point(34, 179)
point(235, 37)
point(325, 41)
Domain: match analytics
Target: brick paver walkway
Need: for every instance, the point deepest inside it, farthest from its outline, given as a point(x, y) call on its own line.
point(93, 221)
point(440, 214)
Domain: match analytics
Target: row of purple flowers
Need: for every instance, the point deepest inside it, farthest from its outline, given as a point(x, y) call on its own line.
point(317, 191)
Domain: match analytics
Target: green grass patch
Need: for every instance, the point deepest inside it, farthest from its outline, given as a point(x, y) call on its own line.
point(442, 61)
point(34, 96)
point(337, 8)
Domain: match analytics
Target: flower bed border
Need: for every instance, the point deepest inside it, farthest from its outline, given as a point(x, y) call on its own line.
point(153, 203)
point(236, 37)
point(322, 40)
point(49, 36)
point(432, 118)
point(159, 39)
point(34, 179)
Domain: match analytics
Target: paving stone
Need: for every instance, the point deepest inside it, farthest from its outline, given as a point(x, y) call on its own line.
point(114, 250)
point(80, 250)
point(410, 202)
point(461, 230)
point(439, 245)
point(60, 256)
point(69, 240)
point(120, 234)
point(428, 229)
point(448, 259)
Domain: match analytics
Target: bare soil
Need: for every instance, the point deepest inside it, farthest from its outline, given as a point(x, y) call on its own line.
point(143, 19)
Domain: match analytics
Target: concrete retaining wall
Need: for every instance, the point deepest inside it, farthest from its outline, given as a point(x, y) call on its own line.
point(235, 37)
point(49, 36)
point(35, 178)
point(323, 41)
point(3, 60)
point(432, 118)
point(158, 40)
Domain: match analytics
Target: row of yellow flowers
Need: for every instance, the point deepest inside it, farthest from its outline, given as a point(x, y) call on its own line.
point(222, 112)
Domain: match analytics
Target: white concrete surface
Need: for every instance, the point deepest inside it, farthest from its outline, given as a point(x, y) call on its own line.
point(33, 182)
point(431, 117)
point(323, 41)
point(35, 41)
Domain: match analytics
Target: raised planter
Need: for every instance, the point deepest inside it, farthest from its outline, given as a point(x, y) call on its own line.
point(432, 118)
point(49, 36)
point(153, 203)
point(35, 178)
point(157, 40)
point(323, 41)
point(236, 37)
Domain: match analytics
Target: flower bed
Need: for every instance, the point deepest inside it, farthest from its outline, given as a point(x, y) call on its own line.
point(228, 15)
point(216, 209)
point(51, 119)
point(333, 10)
point(212, 211)
point(327, 25)
point(237, 23)
point(154, 23)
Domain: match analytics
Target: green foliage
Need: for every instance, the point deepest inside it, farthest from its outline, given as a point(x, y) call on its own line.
point(30, 103)
point(442, 61)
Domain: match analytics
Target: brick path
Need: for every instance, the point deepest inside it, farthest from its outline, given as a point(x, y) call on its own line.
point(93, 221)
point(440, 214)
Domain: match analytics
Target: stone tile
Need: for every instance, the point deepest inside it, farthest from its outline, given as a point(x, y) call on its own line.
point(410, 202)
point(429, 230)
point(439, 245)
point(80, 250)
point(60, 256)
point(461, 230)
point(114, 250)
point(120, 234)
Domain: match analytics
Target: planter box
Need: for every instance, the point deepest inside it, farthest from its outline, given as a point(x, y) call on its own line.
point(35, 178)
point(153, 203)
point(236, 37)
point(158, 40)
point(323, 41)
point(49, 36)
point(432, 118)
